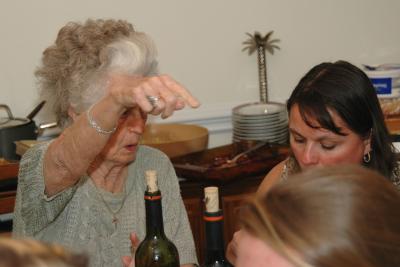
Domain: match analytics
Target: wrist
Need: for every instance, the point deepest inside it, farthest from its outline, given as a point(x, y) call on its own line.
point(93, 123)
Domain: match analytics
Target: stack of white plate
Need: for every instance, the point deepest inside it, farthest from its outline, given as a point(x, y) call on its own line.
point(260, 122)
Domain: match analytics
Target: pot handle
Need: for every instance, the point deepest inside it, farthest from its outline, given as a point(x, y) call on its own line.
point(44, 126)
point(36, 110)
point(10, 115)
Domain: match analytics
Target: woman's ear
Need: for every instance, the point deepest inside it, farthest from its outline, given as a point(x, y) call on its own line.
point(72, 114)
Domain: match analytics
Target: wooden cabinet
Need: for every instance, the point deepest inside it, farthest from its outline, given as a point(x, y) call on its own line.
point(231, 206)
point(8, 181)
point(232, 197)
point(194, 208)
point(7, 202)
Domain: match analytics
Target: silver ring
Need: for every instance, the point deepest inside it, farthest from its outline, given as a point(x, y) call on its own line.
point(153, 100)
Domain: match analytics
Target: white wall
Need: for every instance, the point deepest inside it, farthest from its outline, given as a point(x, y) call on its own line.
point(200, 42)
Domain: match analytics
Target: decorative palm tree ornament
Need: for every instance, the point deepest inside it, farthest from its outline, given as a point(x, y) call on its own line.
point(259, 43)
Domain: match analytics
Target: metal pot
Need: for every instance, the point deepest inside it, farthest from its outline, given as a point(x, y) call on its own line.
point(14, 129)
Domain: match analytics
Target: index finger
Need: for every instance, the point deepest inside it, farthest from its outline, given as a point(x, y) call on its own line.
point(180, 90)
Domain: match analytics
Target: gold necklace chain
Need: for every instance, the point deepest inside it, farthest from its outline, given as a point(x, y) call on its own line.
point(114, 214)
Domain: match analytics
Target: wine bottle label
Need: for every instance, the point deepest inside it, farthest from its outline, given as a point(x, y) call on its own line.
point(151, 181)
point(211, 198)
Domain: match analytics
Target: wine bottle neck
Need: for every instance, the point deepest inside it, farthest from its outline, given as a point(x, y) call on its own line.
point(154, 219)
point(214, 235)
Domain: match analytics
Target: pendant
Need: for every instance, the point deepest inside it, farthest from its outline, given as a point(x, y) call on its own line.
point(115, 220)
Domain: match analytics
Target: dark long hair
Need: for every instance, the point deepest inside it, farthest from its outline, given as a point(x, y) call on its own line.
point(346, 90)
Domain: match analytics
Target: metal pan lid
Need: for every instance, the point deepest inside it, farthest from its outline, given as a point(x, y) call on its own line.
point(10, 120)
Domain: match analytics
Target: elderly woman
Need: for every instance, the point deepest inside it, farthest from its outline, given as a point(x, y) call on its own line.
point(85, 188)
point(323, 217)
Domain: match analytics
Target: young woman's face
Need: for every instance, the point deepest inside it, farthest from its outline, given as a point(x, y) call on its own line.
point(322, 147)
point(253, 252)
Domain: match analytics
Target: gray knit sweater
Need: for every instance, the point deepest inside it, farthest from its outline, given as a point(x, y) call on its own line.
point(78, 218)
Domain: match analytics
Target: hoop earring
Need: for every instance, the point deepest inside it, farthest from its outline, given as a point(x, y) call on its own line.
point(367, 157)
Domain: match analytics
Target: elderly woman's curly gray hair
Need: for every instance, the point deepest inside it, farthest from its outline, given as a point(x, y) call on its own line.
point(74, 69)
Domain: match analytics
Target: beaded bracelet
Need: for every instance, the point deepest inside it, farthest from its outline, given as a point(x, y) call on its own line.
point(94, 124)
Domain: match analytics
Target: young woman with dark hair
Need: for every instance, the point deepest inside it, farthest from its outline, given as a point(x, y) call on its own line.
point(334, 118)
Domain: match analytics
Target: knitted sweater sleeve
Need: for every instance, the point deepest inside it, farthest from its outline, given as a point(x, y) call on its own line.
point(33, 209)
point(176, 222)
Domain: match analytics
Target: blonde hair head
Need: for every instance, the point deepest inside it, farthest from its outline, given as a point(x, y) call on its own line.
point(335, 216)
point(32, 253)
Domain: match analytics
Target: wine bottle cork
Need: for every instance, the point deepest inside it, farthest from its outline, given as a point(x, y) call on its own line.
point(211, 198)
point(151, 181)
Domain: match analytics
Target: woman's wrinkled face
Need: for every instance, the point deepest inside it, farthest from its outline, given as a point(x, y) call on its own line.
point(253, 252)
point(322, 147)
point(122, 146)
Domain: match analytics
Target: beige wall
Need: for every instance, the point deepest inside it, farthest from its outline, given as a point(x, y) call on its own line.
point(200, 42)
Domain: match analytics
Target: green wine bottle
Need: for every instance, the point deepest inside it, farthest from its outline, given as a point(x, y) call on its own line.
point(155, 250)
point(213, 220)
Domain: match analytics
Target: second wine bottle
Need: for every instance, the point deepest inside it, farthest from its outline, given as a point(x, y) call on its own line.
point(213, 220)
